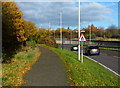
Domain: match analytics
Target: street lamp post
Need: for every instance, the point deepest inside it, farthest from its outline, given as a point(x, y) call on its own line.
point(79, 29)
point(61, 30)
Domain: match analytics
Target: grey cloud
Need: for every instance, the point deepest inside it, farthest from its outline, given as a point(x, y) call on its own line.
point(45, 12)
point(94, 12)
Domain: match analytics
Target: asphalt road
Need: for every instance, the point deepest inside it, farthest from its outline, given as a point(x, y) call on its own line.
point(107, 57)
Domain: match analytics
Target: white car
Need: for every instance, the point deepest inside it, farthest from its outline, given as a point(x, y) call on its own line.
point(74, 48)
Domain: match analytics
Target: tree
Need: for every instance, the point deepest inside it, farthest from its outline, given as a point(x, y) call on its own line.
point(12, 22)
point(108, 34)
point(30, 30)
point(12, 28)
point(101, 31)
point(40, 35)
point(94, 29)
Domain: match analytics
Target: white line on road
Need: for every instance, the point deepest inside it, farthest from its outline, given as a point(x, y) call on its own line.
point(116, 56)
point(103, 65)
point(112, 56)
point(103, 54)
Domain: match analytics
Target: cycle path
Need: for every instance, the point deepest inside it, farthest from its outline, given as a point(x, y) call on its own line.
point(47, 71)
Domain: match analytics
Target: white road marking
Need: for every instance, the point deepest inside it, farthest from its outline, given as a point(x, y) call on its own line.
point(112, 56)
point(116, 56)
point(103, 54)
point(103, 65)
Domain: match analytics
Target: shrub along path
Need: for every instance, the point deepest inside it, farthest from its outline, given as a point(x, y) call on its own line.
point(47, 71)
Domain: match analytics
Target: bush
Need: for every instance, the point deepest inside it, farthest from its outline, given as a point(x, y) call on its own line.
point(31, 44)
point(49, 41)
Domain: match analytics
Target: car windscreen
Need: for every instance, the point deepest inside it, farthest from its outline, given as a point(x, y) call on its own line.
point(93, 47)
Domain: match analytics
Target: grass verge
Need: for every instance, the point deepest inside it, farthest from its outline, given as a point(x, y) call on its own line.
point(88, 73)
point(12, 74)
point(114, 49)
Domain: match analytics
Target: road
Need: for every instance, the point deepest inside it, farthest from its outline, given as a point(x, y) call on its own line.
point(107, 57)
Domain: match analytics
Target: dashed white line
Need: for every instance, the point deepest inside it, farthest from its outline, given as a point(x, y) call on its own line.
point(103, 65)
point(112, 56)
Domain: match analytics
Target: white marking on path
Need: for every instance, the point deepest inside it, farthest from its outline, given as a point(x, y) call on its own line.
point(103, 65)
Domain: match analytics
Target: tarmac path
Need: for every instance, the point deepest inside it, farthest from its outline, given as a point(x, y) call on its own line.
point(47, 71)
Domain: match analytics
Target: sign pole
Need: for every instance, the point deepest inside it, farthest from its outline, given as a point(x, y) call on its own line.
point(79, 29)
point(82, 53)
point(82, 39)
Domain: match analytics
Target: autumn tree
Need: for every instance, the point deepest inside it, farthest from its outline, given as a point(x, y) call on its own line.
point(101, 32)
point(12, 27)
point(40, 35)
point(43, 37)
point(30, 30)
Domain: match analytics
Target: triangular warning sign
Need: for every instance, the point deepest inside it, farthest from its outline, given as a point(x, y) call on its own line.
point(82, 38)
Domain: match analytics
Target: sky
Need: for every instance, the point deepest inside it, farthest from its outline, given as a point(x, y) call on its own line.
point(45, 14)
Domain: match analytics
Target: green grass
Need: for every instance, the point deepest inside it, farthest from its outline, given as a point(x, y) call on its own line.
point(12, 73)
point(111, 49)
point(88, 73)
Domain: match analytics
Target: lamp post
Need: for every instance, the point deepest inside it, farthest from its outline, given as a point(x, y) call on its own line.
point(79, 29)
point(61, 30)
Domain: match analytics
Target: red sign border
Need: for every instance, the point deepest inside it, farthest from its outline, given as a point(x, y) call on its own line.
point(80, 36)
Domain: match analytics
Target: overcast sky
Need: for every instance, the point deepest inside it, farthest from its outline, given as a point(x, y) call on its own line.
point(103, 14)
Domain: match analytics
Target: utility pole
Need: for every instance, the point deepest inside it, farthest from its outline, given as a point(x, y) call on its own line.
point(61, 30)
point(79, 29)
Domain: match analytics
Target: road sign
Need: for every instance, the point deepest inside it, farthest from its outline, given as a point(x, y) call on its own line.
point(82, 38)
